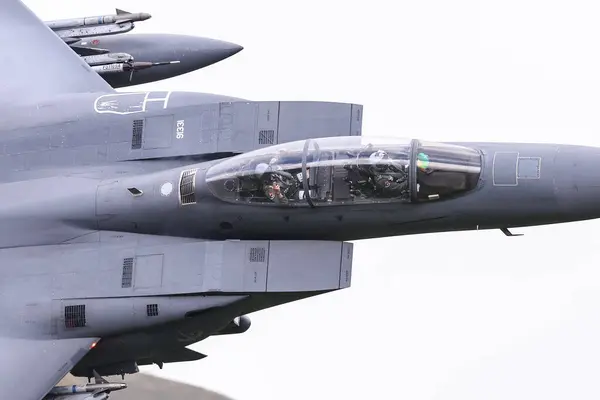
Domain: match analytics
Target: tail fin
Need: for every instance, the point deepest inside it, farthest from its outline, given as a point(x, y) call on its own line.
point(36, 63)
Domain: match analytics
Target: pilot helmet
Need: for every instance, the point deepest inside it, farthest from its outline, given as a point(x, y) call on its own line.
point(377, 159)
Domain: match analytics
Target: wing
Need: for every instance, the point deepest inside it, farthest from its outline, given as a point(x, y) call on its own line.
point(30, 368)
point(35, 63)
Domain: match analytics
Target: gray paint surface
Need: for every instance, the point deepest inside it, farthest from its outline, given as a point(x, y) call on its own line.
point(136, 224)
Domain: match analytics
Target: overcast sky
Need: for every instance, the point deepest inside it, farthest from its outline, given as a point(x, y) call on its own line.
point(455, 316)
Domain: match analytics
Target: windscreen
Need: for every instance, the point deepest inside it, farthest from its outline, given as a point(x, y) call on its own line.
point(444, 171)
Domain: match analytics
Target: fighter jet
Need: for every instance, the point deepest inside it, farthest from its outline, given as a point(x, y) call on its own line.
point(135, 224)
point(126, 60)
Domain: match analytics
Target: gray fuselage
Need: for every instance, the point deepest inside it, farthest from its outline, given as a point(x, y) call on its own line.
point(518, 184)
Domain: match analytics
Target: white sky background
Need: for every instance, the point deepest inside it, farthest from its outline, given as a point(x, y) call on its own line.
point(443, 316)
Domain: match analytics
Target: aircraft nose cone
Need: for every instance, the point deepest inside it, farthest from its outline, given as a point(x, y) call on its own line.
point(145, 16)
point(197, 52)
point(205, 52)
point(229, 49)
point(177, 54)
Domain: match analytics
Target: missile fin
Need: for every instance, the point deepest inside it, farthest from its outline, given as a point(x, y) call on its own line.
point(89, 51)
point(98, 378)
point(71, 40)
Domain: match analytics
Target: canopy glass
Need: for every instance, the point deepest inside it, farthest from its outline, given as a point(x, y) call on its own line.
point(346, 170)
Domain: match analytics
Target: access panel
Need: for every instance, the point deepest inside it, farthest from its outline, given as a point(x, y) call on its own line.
point(158, 132)
point(505, 168)
point(148, 271)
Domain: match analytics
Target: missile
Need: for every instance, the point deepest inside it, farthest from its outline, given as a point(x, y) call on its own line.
point(99, 390)
point(79, 396)
point(68, 35)
point(119, 18)
point(109, 58)
point(87, 388)
point(102, 25)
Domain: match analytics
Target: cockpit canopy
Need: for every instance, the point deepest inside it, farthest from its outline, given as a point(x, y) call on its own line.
point(346, 170)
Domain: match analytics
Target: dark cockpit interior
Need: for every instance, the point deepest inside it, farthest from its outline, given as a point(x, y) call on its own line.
point(346, 170)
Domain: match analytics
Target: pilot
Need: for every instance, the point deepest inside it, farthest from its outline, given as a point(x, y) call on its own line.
point(289, 165)
point(275, 182)
point(359, 175)
point(390, 178)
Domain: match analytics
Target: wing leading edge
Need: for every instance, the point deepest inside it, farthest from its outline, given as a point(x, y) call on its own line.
point(30, 368)
point(35, 63)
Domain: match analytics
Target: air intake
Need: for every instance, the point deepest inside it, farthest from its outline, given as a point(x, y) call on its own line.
point(187, 187)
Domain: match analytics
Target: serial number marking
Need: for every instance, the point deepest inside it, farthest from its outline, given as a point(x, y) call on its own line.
point(180, 129)
point(112, 67)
